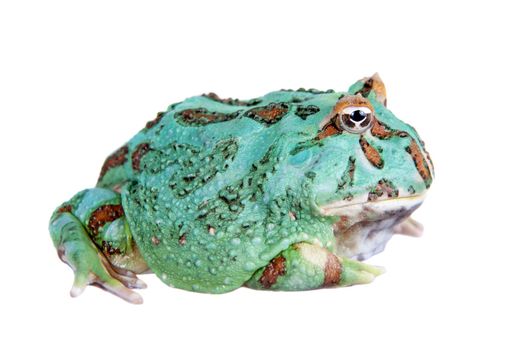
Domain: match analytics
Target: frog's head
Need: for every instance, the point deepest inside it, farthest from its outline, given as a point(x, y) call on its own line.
point(370, 167)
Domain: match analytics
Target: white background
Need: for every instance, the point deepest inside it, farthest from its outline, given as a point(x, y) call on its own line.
point(79, 79)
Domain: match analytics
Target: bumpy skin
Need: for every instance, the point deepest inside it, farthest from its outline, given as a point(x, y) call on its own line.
point(217, 194)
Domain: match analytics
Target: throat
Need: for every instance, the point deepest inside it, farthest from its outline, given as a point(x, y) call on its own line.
point(361, 240)
point(363, 229)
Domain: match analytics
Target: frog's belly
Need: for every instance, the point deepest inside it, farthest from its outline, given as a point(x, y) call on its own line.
point(364, 230)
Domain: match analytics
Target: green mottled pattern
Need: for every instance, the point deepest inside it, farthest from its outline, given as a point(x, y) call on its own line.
point(213, 202)
point(213, 190)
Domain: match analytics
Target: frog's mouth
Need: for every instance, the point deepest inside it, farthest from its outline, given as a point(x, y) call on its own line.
point(368, 210)
point(364, 228)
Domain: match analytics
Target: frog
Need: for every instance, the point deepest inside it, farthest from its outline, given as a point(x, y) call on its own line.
point(290, 191)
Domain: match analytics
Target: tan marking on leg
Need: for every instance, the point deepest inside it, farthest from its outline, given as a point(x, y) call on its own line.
point(276, 268)
point(313, 253)
point(102, 215)
point(65, 209)
point(332, 270)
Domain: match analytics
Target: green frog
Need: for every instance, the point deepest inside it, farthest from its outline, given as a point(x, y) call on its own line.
point(288, 191)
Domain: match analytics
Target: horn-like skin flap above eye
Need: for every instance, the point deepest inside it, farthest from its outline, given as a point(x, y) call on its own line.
point(368, 85)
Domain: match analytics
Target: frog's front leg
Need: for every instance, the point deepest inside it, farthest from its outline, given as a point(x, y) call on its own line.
point(87, 232)
point(306, 266)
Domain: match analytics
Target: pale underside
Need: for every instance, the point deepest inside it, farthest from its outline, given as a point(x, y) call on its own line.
point(364, 228)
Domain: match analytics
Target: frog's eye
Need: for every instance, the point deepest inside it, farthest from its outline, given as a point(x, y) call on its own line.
point(356, 119)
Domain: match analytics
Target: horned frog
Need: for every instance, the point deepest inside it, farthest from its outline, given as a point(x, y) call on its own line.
point(289, 191)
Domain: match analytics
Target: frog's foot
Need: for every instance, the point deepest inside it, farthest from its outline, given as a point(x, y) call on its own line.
point(409, 227)
point(307, 266)
point(90, 266)
point(105, 276)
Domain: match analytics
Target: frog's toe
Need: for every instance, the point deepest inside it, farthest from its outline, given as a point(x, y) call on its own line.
point(127, 278)
point(120, 290)
point(108, 283)
point(356, 272)
point(130, 282)
point(79, 285)
point(409, 227)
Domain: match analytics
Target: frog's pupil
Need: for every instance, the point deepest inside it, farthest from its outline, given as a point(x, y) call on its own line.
point(358, 115)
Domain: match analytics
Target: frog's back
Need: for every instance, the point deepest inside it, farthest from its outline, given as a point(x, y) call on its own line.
point(206, 196)
point(204, 119)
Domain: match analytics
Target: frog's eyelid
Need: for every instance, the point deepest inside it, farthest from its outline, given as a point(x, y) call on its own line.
point(350, 109)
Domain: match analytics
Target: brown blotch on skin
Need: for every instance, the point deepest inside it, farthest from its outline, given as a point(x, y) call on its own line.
point(116, 159)
point(201, 116)
point(155, 121)
point(332, 270)
point(420, 162)
point(137, 155)
point(304, 112)
point(65, 209)
point(276, 268)
point(190, 115)
point(381, 130)
point(382, 187)
point(182, 239)
point(328, 130)
point(102, 215)
point(371, 153)
point(427, 154)
point(269, 114)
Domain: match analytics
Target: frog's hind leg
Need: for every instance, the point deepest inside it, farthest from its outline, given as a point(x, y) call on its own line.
point(306, 266)
point(87, 231)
